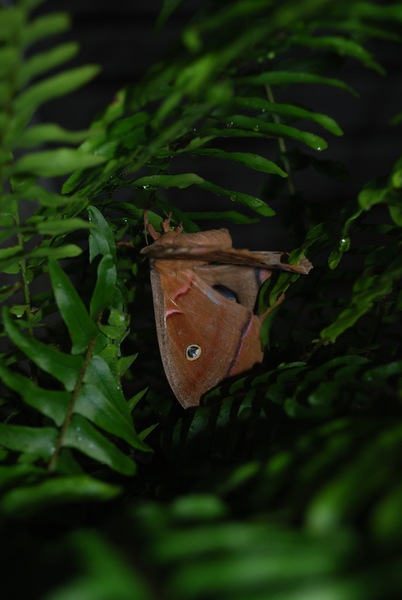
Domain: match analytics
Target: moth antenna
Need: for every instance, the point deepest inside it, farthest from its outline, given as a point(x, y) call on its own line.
point(166, 223)
point(150, 228)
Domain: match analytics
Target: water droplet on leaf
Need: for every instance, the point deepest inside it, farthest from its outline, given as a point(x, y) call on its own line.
point(344, 244)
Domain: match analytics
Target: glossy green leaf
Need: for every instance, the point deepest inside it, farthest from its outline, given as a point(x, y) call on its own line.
point(132, 403)
point(277, 130)
point(81, 328)
point(255, 204)
point(3, 119)
point(53, 163)
point(344, 242)
point(64, 367)
point(9, 58)
point(44, 197)
point(168, 8)
point(60, 226)
point(128, 127)
point(57, 491)
point(82, 436)
point(253, 161)
point(396, 214)
point(147, 431)
point(5, 97)
point(124, 363)
point(7, 231)
point(101, 240)
point(54, 87)
point(101, 411)
point(14, 475)
point(52, 403)
point(373, 193)
point(198, 506)
point(290, 111)
point(359, 29)
point(386, 520)
point(293, 77)
point(105, 574)
point(50, 132)
point(99, 374)
point(392, 12)
point(367, 290)
point(11, 23)
point(383, 372)
point(45, 26)
point(39, 441)
point(45, 61)
point(339, 498)
point(10, 254)
point(345, 47)
point(30, 5)
point(168, 181)
point(67, 251)
point(105, 287)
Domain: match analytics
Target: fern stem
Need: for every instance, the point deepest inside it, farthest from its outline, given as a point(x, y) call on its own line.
point(22, 266)
point(68, 418)
point(25, 287)
point(282, 145)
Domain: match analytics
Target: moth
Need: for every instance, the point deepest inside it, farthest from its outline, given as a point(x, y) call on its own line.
point(204, 294)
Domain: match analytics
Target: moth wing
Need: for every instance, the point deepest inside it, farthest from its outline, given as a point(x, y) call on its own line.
point(243, 282)
point(191, 312)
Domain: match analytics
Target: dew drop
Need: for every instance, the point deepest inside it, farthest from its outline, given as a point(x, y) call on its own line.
point(344, 244)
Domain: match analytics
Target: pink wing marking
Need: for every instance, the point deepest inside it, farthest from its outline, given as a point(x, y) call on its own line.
point(184, 289)
point(172, 309)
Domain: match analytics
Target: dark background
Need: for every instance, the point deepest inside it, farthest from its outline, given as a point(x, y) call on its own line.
point(121, 37)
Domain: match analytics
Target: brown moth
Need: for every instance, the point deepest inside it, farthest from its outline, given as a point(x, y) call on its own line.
point(204, 294)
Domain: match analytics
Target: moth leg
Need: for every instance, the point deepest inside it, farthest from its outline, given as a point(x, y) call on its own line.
point(150, 228)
